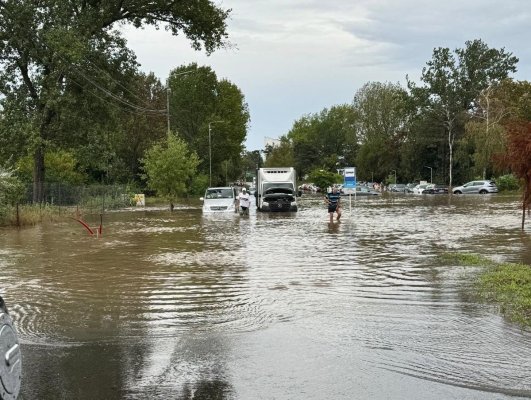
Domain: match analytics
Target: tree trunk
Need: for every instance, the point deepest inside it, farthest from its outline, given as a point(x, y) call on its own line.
point(38, 156)
point(38, 174)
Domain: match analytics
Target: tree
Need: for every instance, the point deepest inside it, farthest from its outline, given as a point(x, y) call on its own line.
point(453, 81)
point(45, 47)
point(485, 129)
point(281, 155)
point(170, 168)
point(517, 158)
point(424, 146)
point(138, 131)
point(12, 190)
point(61, 167)
point(324, 179)
point(382, 117)
point(324, 140)
point(250, 161)
point(211, 116)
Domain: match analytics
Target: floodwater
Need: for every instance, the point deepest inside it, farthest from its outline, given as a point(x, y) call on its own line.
point(283, 306)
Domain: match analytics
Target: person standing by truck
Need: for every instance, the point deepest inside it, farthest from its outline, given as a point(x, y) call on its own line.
point(244, 202)
point(333, 200)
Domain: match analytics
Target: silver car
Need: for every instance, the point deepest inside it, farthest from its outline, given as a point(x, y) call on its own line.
point(481, 187)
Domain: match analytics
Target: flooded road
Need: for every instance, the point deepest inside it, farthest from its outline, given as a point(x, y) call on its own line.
point(283, 306)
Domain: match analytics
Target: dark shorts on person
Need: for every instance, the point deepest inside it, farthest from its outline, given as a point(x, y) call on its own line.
point(332, 208)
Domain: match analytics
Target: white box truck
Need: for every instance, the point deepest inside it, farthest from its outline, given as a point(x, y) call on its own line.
point(276, 189)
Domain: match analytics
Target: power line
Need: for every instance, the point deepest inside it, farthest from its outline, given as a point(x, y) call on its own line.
point(113, 79)
point(117, 98)
point(101, 98)
point(108, 92)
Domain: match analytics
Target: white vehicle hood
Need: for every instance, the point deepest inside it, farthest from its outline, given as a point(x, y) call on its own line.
point(218, 205)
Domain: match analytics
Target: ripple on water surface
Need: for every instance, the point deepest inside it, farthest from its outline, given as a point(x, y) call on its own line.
point(373, 284)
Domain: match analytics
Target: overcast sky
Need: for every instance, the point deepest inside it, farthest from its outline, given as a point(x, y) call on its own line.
point(295, 57)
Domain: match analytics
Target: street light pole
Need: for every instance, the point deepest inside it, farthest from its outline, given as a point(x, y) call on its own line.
point(210, 154)
point(395, 174)
point(431, 173)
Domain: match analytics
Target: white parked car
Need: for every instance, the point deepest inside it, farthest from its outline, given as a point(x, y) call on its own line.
point(220, 199)
point(419, 189)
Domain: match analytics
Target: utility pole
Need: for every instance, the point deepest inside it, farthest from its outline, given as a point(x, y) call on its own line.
point(168, 103)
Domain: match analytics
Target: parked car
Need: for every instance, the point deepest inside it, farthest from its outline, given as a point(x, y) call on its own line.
point(220, 199)
point(409, 187)
point(419, 189)
point(360, 191)
point(435, 189)
point(481, 187)
point(397, 188)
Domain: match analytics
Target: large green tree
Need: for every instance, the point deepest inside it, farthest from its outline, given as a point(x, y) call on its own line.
point(46, 46)
point(211, 115)
point(324, 140)
point(452, 81)
point(382, 118)
point(138, 130)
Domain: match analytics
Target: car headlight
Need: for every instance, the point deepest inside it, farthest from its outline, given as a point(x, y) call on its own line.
point(265, 203)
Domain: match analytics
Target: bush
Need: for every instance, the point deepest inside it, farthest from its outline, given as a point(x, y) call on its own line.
point(324, 179)
point(199, 184)
point(507, 183)
point(12, 190)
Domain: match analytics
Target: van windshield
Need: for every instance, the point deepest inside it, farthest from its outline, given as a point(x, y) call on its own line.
point(283, 185)
point(219, 194)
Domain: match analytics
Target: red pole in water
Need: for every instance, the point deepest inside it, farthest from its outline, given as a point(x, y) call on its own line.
point(90, 231)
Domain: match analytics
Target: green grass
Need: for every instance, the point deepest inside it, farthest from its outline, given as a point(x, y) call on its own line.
point(509, 285)
point(32, 215)
point(466, 259)
point(506, 284)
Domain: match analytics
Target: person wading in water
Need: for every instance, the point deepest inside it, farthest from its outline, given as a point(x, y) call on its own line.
point(333, 200)
point(244, 202)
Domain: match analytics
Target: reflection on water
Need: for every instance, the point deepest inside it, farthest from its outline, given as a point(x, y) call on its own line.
point(181, 305)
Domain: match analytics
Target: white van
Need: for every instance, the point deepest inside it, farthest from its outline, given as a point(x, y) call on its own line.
point(219, 199)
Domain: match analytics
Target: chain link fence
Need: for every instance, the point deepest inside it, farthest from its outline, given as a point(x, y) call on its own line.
point(92, 199)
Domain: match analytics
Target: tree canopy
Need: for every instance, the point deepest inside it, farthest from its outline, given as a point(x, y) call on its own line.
point(211, 115)
point(53, 53)
point(453, 82)
point(170, 168)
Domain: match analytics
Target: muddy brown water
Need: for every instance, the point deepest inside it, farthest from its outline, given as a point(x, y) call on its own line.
point(282, 306)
